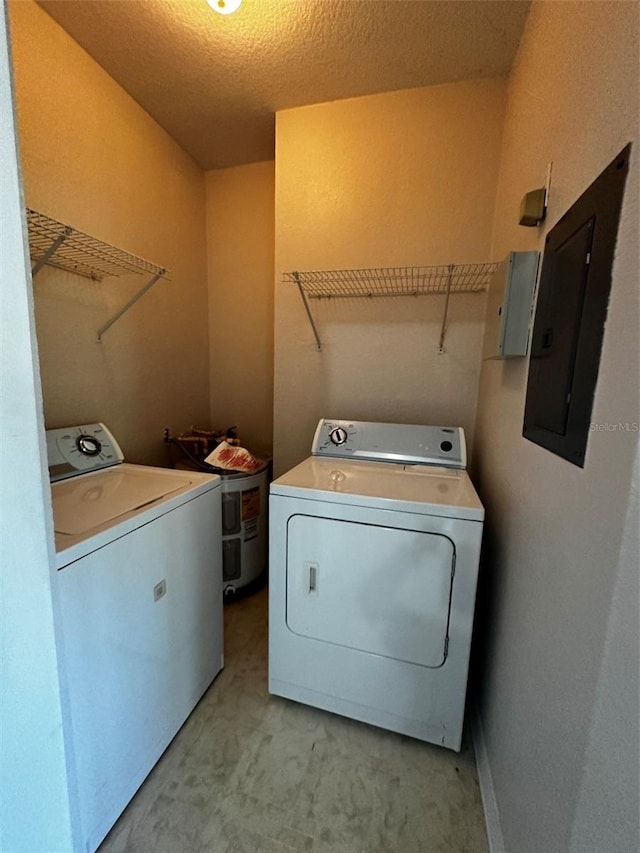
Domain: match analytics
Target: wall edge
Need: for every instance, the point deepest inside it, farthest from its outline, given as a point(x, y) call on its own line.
point(485, 780)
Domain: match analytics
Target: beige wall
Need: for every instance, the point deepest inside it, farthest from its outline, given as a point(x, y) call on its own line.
point(94, 159)
point(240, 237)
point(559, 608)
point(404, 178)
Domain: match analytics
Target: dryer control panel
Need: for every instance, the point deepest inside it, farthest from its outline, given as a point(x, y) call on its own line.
point(79, 449)
point(405, 443)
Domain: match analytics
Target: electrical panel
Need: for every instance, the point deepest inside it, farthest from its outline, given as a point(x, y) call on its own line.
point(509, 306)
point(571, 312)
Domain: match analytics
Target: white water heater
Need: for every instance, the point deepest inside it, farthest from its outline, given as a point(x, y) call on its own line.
point(244, 528)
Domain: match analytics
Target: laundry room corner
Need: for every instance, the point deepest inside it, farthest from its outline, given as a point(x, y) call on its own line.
point(556, 689)
point(320, 418)
point(93, 159)
point(423, 193)
point(240, 223)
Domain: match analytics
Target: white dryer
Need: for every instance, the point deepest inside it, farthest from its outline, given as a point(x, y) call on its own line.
point(374, 551)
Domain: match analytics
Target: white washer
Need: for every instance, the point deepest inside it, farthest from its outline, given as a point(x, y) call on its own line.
point(374, 551)
point(139, 582)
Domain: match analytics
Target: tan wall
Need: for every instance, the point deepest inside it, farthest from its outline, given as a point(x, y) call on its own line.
point(559, 693)
point(94, 159)
point(404, 178)
point(240, 235)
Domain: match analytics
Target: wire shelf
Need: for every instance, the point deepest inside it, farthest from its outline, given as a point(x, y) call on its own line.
point(444, 279)
point(58, 245)
point(393, 281)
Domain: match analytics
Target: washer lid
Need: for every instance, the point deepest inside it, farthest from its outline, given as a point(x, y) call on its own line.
point(385, 485)
point(81, 504)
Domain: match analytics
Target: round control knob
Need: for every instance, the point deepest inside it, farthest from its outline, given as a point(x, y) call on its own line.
point(446, 446)
point(88, 445)
point(338, 435)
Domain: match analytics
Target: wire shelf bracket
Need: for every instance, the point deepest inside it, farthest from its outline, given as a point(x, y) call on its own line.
point(61, 246)
point(444, 280)
point(303, 296)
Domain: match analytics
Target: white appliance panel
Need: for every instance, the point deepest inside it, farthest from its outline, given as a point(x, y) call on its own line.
point(377, 589)
point(415, 700)
point(142, 635)
point(426, 445)
point(80, 449)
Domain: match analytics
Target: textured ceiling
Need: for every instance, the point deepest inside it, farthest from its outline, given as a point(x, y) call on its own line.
point(214, 82)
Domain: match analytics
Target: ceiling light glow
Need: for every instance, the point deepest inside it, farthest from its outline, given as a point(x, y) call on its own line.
point(224, 7)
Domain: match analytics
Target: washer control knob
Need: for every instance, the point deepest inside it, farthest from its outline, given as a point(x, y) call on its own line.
point(88, 445)
point(338, 436)
point(446, 446)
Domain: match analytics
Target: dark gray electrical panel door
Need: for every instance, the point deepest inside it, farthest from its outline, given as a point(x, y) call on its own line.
point(573, 297)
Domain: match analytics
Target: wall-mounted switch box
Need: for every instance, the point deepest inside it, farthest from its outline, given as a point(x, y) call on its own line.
point(533, 209)
point(509, 306)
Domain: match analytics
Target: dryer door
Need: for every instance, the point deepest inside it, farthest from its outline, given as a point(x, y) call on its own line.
point(383, 590)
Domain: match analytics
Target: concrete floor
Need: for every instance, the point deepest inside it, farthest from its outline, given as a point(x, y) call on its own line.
point(253, 773)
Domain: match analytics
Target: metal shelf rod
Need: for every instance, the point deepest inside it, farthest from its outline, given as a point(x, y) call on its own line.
point(128, 305)
point(53, 248)
point(446, 310)
point(308, 310)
